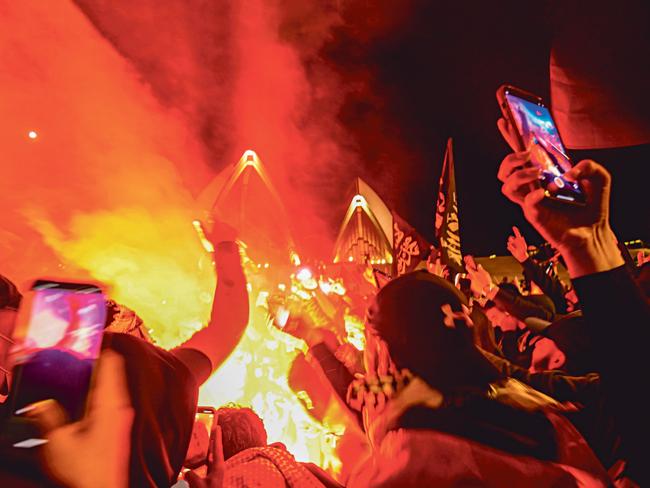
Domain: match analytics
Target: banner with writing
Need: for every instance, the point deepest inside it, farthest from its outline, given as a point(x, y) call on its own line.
point(409, 247)
point(447, 224)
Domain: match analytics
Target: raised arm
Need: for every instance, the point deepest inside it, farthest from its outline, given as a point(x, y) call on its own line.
point(484, 288)
point(206, 350)
point(551, 286)
point(557, 384)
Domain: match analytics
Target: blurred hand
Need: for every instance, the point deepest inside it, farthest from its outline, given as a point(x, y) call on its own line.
point(300, 328)
point(93, 452)
point(351, 357)
point(581, 233)
point(517, 246)
point(216, 465)
point(481, 280)
point(435, 267)
point(641, 258)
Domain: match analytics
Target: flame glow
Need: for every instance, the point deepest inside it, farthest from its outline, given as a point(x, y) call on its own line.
point(256, 375)
point(104, 190)
point(355, 330)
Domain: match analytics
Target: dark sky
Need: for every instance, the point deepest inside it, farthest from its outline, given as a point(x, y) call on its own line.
point(434, 75)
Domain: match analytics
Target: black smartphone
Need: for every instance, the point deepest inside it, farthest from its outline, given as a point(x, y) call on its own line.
point(58, 339)
point(198, 451)
point(536, 130)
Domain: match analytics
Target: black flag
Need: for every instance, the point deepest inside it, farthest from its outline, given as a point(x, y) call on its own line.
point(409, 247)
point(447, 225)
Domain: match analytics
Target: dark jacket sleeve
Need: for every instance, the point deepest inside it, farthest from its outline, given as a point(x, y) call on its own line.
point(335, 371)
point(557, 384)
point(337, 374)
point(519, 307)
point(619, 319)
point(550, 285)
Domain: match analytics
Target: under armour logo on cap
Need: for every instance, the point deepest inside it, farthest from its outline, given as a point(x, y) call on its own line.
point(450, 316)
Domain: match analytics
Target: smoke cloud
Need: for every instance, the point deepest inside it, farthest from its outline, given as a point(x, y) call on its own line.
point(88, 187)
point(137, 108)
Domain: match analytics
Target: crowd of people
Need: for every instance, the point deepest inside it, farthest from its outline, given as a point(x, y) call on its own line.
point(498, 385)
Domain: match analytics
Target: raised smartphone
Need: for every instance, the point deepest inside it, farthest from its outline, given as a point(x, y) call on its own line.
point(58, 339)
point(537, 132)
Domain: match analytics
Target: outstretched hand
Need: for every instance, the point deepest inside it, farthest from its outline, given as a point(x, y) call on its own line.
point(435, 266)
point(517, 245)
point(299, 327)
point(480, 278)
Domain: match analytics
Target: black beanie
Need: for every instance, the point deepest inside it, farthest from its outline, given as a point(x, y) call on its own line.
point(408, 316)
point(571, 335)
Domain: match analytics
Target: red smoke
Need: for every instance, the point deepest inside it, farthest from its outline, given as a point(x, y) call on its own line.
point(246, 75)
point(137, 107)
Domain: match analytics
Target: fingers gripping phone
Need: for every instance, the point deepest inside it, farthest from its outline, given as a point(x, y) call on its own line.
point(537, 132)
point(57, 342)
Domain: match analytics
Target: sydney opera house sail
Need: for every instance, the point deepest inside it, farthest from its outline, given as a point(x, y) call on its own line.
point(365, 236)
point(244, 197)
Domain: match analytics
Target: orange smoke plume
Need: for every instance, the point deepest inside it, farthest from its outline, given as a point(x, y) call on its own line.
point(88, 187)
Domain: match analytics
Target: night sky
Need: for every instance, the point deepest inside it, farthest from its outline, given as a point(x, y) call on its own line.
point(435, 72)
point(406, 75)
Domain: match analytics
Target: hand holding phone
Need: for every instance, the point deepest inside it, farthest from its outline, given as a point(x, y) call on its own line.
point(216, 468)
point(95, 449)
point(531, 128)
point(57, 342)
point(202, 432)
point(581, 233)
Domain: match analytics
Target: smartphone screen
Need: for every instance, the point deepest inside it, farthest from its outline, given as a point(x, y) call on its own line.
point(197, 452)
point(539, 133)
point(57, 342)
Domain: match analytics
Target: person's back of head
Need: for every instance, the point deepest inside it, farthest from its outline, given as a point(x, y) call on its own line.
point(10, 297)
point(511, 287)
point(122, 319)
point(424, 321)
point(241, 429)
point(571, 336)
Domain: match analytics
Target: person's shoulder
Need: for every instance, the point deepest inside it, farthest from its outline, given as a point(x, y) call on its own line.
point(127, 344)
point(143, 355)
point(121, 342)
